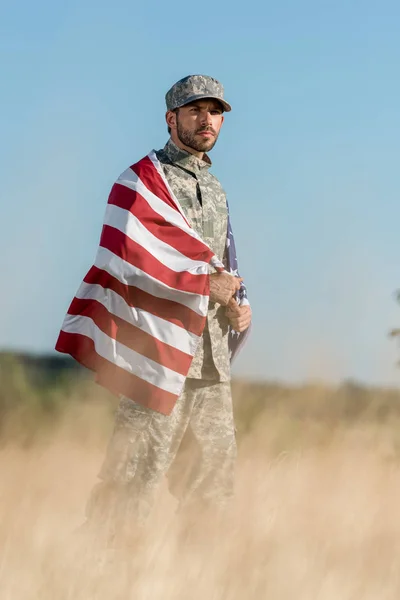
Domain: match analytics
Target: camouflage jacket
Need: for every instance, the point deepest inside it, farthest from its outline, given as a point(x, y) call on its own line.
point(204, 203)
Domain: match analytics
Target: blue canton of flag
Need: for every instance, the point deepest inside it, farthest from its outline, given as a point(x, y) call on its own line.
point(235, 340)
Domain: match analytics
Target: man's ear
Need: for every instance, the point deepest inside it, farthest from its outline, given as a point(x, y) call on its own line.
point(170, 118)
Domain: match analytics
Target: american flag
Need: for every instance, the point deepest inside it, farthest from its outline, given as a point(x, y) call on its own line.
point(235, 340)
point(139, 314)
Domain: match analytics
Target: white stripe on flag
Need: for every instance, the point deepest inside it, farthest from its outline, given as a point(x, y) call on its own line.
point(130, 225)
point(124, 357)
point(163, 330)
point(130, 275)
point(130, 180)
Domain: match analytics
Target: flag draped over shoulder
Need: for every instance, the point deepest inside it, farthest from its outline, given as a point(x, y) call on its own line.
point(139, 314)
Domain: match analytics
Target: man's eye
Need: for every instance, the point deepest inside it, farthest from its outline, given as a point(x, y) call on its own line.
point(215, 112)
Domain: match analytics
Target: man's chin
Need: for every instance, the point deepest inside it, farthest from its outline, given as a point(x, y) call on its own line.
point(196, 142)
point(206, 145)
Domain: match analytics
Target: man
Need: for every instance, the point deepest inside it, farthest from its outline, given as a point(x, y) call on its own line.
point(145, 442)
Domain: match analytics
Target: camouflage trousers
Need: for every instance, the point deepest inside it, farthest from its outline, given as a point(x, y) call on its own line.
point(147, 445)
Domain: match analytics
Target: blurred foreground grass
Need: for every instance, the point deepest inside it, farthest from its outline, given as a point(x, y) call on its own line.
point(315, 515)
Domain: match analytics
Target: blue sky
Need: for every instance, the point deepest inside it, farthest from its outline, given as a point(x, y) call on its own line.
point(308, 156)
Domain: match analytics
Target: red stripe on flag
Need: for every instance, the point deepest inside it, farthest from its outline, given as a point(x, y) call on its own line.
point(131, 336)
point(150, 177)
point(131, 200)
point(120, 244)
point(160, 307)
point(116, 380)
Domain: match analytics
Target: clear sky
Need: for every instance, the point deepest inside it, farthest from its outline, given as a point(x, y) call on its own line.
point(309, 157)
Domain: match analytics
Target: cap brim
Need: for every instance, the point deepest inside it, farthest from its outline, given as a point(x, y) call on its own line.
point(227, 107)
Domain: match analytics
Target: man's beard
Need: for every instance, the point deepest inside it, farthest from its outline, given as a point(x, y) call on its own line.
point(188, 138)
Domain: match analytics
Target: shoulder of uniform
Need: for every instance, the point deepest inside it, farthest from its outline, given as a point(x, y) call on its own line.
point(215, 181)
point(214, 178)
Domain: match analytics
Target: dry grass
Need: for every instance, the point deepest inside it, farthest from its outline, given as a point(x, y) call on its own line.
point(315, 516)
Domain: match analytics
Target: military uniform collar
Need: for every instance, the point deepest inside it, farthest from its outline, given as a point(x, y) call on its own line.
point(185, 159)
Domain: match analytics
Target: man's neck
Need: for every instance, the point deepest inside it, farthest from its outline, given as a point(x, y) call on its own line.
point(178, 143)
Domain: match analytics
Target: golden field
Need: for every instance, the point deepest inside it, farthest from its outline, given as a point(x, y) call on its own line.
point(315, 515)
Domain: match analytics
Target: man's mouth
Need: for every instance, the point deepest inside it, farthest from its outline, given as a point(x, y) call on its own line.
point(206, 133)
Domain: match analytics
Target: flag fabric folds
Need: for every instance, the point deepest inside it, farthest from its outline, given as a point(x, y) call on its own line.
point(138, 316)
point(236, 340)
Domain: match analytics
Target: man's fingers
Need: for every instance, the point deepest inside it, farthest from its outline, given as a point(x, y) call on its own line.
point(234, 283)
point(232, 304)
point(223, 286)
point(233, 308)
point(240, 326)
point(239, 316)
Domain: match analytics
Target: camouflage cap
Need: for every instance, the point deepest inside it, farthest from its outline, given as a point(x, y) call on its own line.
point(195, 87)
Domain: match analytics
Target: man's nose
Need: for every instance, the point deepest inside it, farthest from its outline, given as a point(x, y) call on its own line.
point(206, 118)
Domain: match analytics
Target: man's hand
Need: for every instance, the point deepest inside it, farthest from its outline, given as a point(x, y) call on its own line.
point(239, 316)
point(223, 286)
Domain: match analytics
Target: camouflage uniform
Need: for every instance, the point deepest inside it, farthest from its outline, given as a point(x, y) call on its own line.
point(204, 203)
point(145, 443)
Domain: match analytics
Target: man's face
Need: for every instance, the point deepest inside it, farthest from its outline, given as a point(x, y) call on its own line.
point(197, 124)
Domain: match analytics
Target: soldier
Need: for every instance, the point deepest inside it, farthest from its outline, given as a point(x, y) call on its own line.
point(145, 443)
